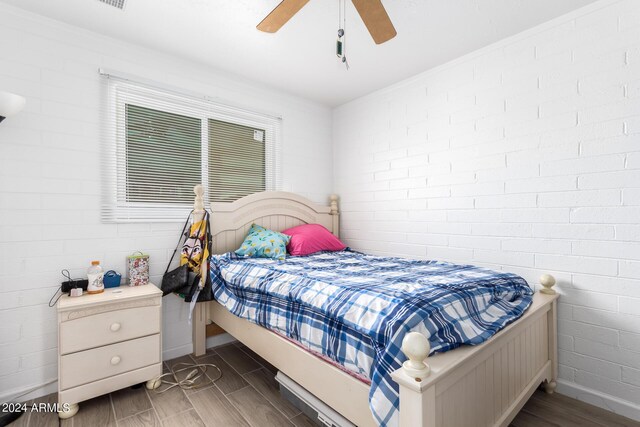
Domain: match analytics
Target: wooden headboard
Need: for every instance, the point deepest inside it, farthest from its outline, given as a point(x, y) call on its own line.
point(276, 210)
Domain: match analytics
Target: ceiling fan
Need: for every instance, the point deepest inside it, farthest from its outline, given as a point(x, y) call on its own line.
point(372, 12)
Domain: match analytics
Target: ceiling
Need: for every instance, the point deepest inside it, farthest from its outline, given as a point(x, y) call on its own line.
point(300, 58)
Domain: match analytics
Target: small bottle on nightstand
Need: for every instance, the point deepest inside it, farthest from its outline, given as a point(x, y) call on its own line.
point(95, 274)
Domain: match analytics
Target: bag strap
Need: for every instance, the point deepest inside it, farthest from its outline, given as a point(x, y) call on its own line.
point(206, 239)
point(179, 240)
point(209, 238)
point(206, 236)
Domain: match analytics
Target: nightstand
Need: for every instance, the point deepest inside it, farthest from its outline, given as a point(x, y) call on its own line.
point(107, 342)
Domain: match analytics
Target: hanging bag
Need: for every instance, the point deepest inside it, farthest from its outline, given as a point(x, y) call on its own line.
point(206, 293)
point(177, 279)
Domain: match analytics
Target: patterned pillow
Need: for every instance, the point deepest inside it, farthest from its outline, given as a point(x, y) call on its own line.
point(264, 243)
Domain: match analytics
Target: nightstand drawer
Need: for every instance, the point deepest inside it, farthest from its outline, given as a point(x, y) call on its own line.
point(102, 362)
point(107, 328)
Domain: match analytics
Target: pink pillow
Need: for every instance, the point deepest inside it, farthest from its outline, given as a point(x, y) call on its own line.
point(310, 238)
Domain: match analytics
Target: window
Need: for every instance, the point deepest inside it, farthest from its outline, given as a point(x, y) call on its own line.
point(159, 144)
point(163, 155)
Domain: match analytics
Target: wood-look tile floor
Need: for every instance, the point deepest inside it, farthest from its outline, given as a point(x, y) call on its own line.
point(248, 395)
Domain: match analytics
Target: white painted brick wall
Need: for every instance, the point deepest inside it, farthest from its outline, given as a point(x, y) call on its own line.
point(49, 182)
point(531, 150)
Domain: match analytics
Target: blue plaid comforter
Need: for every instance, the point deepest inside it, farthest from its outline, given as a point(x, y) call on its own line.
point(355, 308)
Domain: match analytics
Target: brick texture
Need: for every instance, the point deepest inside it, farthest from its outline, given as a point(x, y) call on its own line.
point(530, 150)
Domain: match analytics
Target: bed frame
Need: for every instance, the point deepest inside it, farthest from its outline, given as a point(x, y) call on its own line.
point(483, 385)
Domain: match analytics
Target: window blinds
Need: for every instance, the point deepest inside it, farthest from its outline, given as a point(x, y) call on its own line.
point(237, 164)
point(158, 144)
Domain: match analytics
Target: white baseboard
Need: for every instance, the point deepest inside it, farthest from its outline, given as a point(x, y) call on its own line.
point(218, 340)
point(601, 400)
point(214, 341)
point(37, 391)
point(172, 353)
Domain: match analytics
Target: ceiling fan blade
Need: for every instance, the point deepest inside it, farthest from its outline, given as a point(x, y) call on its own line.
point(280, 15)
point(376, 19)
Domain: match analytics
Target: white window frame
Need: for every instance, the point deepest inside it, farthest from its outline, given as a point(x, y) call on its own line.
point(116, 207)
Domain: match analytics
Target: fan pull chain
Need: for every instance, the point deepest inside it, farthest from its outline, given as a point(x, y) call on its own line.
point(341, 43)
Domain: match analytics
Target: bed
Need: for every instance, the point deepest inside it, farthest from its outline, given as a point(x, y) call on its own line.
point(483, 385)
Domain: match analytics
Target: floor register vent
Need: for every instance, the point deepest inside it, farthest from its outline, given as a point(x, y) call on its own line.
point(115, 3)
point(310, 405)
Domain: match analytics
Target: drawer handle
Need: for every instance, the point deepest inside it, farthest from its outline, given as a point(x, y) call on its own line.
point(115, 327)
point(115, 360)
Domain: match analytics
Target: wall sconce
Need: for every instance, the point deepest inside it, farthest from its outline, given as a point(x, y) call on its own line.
point(10, 104)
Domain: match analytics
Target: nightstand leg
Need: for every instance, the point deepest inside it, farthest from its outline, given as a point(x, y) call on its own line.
point(154, 383)
point(68, 410)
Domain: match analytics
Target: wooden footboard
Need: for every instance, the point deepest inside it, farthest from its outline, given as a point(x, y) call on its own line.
point(485, 385)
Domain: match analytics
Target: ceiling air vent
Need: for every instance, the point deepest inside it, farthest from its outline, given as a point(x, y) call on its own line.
point(115, 3)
